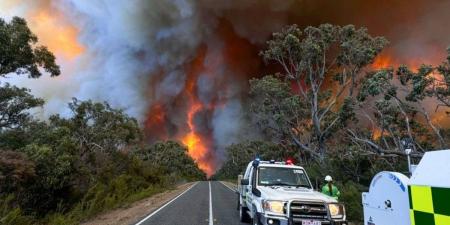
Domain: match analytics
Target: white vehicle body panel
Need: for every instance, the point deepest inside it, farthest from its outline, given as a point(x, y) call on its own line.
point(285, 194)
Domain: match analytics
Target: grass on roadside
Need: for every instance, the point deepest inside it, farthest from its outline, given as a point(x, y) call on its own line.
point(121, 192)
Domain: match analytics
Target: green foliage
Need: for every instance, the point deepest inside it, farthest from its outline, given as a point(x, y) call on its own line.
point(323, 64)
point(377, 83)
point(118, 192)
point(54, 174)
point(69, 169)
point(102, 197)
point(274, 108)
point(346, 114)
point(419, 81)
point(15, 170)
point(97, 126)
point(396, 112)
point(15, 103)
point(351, 197)
point(173, 158)
point(14, 216)
point(18, 53)
point(428, 81)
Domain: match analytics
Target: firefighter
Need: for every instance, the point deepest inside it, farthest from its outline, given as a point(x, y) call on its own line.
point(329, 189)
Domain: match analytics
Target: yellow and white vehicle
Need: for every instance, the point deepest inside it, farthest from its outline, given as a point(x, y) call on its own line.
point(423, 199)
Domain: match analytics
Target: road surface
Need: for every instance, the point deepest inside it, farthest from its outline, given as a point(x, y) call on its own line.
point(204, 203)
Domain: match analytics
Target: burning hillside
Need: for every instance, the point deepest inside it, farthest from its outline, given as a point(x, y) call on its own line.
point(182, 67)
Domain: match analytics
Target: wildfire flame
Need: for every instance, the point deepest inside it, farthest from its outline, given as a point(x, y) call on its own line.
point(382, 62)
point(197, 134)
point(193, 141)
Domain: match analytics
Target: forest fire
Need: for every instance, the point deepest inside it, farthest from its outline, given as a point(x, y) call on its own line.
point(185, 76)
point(213, 76)
point(106, 103)
point(193, 139)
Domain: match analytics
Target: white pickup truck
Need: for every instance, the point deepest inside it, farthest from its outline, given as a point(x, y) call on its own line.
point(280, 193)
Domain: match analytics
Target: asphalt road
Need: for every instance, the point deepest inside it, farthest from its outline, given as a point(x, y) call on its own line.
point(204, 203)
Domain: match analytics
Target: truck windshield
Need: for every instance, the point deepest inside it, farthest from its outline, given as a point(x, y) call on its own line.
point(280, 176)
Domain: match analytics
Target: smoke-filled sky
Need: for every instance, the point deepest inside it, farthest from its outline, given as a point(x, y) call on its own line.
point(181, 66)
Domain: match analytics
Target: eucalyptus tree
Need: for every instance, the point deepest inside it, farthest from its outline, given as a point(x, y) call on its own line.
point(19, 52)
point(398, 109)
point(322, 67)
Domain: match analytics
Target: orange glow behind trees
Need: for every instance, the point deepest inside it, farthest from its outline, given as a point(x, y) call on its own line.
point(386, 60)
point(59, 37)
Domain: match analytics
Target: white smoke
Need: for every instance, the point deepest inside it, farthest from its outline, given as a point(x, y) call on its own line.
point(131, 41)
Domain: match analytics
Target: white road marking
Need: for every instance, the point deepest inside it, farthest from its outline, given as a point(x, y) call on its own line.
point(156, 211)
point(233, 190)
point(210, 205)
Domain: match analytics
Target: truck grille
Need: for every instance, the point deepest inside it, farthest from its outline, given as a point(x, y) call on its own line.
point(308, 211)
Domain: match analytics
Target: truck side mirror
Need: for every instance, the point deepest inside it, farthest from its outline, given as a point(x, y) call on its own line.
point(244, 182)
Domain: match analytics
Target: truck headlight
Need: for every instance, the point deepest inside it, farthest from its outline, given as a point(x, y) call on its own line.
point(274, 206)
point(337, 211)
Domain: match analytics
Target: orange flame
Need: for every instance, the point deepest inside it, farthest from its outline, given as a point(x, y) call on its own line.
point(382, 62)
point(241, 60)
point(193, 141)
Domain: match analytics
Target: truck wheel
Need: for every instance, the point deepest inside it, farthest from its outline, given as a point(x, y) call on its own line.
point(243, 215)
point(255, 219)
point(238, 203)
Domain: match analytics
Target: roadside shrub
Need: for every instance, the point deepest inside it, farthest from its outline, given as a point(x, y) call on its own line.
point(15, 170)
point(12, 214)
point(172, 158)
point(351, 197)
point(69, 169)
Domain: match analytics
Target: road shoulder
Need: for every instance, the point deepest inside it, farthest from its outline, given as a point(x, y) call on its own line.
point(137, 210)
point(230, 185)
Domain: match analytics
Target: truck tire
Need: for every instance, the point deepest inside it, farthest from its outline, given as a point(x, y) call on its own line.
point(255, 219)
point(238, 206)
point(243, 215)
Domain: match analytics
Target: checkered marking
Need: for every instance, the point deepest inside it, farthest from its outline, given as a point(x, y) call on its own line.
point(429, 205)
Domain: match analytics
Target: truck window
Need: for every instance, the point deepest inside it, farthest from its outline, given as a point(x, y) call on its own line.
point(279, 176)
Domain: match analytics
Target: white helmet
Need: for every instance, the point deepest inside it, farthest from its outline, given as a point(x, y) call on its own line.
point(328, 178)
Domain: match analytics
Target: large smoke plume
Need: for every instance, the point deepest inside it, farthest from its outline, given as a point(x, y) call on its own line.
point(181, 66)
